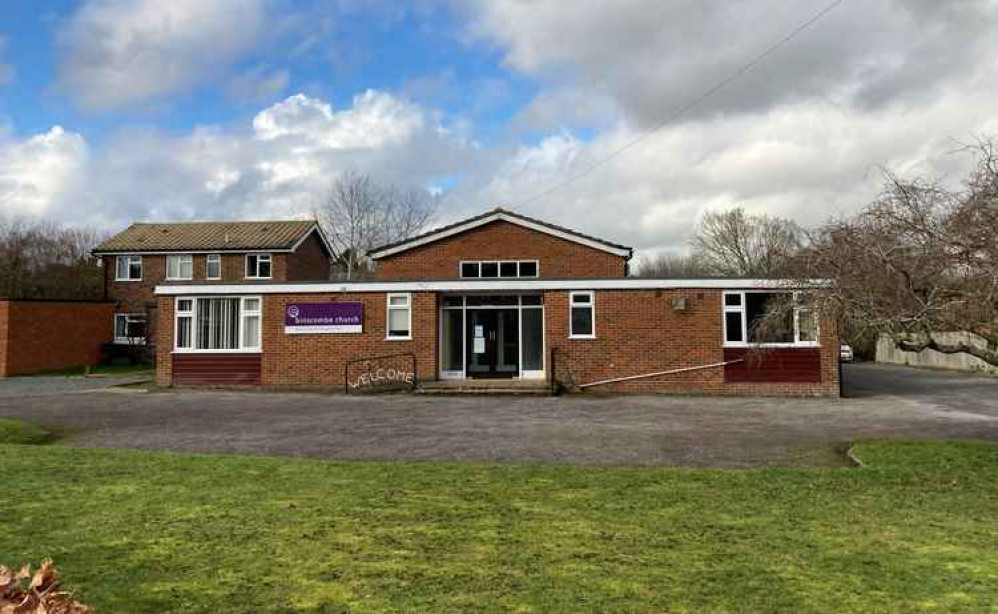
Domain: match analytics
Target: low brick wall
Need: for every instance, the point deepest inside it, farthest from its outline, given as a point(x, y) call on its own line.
point(43, 335)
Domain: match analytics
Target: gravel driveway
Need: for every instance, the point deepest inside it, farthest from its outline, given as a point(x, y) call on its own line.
point(44, 385)
point(648, 430)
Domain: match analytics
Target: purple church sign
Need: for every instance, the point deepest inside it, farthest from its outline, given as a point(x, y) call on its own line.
point(324, 318)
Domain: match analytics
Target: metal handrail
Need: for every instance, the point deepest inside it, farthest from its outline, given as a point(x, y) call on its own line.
point(346, 368)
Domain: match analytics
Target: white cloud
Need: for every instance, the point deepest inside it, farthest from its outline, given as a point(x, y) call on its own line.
point(116, 53)
point(375, 120)
point(651, 56)
point(36, 173)
point(257, 85)
point(280, 166)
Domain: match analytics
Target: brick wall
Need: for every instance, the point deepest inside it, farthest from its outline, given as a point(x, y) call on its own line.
point(501, 240)
point(310, 262)
point(639, 332)
point(40, 336)
point(319, 359)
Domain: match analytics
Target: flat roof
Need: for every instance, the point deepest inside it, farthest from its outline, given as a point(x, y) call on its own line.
point(483, 285)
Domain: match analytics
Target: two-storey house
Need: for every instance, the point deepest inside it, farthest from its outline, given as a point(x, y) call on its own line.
point(145, 255)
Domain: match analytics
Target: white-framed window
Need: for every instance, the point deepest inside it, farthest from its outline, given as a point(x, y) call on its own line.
point(745, 320)
point(213, 266)
point(128, 268)
point(398, 324)
point(217, 324)
point(582, 315)
point(258, 266)
point(475, 269)
point(183, 334)
point(180, 266)
point(130, 328)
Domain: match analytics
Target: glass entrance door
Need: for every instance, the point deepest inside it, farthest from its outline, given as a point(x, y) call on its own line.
point(493, 343)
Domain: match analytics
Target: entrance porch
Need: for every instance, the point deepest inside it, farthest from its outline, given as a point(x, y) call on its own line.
point(494, 336)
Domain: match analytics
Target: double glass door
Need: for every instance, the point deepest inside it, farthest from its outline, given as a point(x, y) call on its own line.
point(492, 336)
point(493, 342)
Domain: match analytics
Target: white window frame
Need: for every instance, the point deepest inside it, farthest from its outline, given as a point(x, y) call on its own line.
point(217, 258)
point(129, 260)
point(498, 263)
point(129, 340)
point(193, 313)
point(592, 308)
point(183, 314)
point(180, 260)
point(743, 310)
point(256, 273)
point(388, 310)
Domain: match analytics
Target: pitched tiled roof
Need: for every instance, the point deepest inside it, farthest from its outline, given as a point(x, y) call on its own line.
point(208, 236)
point(496, 214)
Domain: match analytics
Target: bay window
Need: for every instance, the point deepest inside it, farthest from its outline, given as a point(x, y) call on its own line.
point(217, 324)
point(582, 320)
point(180, 266)
point(758, 318)
point(128, 268)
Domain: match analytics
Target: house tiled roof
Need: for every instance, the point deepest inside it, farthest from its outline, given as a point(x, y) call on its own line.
point(208, 236)
point(497, 213)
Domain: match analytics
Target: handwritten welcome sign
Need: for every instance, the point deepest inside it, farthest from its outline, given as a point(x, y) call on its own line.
point(304, 318)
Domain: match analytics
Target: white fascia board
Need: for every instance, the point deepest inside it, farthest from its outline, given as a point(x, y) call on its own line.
point(436, 236)
point(490, 286)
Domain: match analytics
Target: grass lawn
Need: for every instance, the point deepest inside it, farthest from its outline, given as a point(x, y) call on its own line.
point(15, 431)
point(917, 527)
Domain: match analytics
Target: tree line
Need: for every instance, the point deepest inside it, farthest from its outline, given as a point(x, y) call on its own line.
point(45, 259)
point(921, 258)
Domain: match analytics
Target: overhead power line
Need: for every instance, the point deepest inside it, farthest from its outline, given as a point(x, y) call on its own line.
point(720, 85)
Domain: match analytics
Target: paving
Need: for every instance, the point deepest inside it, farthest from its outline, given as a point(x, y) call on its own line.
point(45, 385)
point(883, 401)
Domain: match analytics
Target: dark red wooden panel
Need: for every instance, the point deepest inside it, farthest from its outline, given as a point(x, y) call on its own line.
point(216, 369)
point(773, 365)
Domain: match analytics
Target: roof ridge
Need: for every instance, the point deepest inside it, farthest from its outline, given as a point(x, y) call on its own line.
point(282, 221)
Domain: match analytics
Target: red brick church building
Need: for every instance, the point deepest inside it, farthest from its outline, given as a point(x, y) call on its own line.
point(497, 296)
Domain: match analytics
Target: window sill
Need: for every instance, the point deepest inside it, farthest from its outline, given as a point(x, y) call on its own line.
point(183, 351)
point(581, 337)
point(128, 342)
point(746, 346)
point(259, 278)
point(116, 279)
point(398, 338)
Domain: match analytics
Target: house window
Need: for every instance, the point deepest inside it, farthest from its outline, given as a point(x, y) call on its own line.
point(180, 266)
point(218, 324)
point(399, 316)
point(758, 318)
point(258, 266)
point(213, 266)
point(528, 268)
point(128, 268)
point(185, 324)
point(130, 328)
point(471, 269)
point(582, 321)
point(506, 268)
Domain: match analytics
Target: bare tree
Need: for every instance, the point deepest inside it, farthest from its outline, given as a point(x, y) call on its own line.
point(43, 259)
point(672, 266)
point(920, 259)
point(734, 243)
point(359, 214)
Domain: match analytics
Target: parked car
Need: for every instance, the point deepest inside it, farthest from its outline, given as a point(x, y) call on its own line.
point(845, 353)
